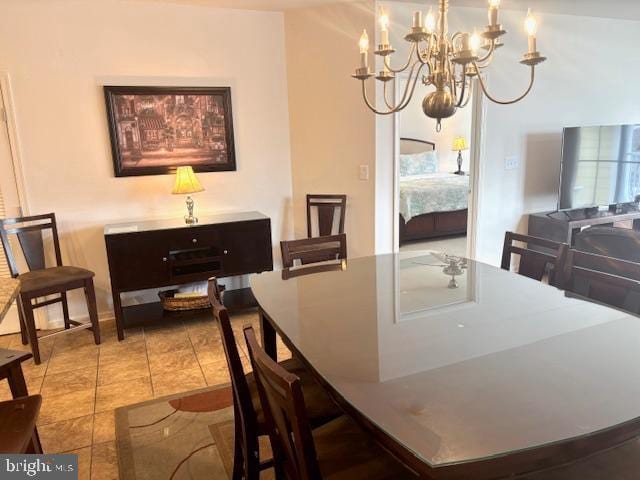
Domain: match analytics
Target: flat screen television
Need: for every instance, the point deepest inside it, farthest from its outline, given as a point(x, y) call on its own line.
point(600, 166)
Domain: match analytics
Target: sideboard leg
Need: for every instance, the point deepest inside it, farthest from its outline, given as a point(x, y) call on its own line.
point(117, 310)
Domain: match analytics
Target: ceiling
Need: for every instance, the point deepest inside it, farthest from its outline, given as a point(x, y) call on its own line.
point(625, 9)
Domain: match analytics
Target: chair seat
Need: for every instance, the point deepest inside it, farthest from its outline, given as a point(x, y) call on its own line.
point(346, 452)
point(48, 278)
point(319, 405)
point(18, 422)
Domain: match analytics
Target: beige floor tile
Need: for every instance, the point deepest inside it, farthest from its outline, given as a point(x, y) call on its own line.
point(115, 351)
point(180, 381)
point(68, 382)
point(110, 397)
point(73, 340)
point(216, 373)
point(137, 354)
point(172, 361)
point(34, 385)
point(104, 462)
point(31, 370)
point(5, 391)
point(104, 427)
point(83, 357)
point(205, 339)
point(67, 435)
point(6, 340)
point(168, 342)
point(56, 408)
point(84, 462)
point(124, 370)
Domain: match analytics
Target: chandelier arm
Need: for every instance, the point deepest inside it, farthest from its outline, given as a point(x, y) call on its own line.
point(406, 65)
point(469, 93)
point(462, 91)
point(404, 102)
point(489, 53)
point(428, 50)
point(371, 107)
point(384, 94)
point(507, 102)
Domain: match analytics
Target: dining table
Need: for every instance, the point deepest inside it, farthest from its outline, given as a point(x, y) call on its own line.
point(463, 370)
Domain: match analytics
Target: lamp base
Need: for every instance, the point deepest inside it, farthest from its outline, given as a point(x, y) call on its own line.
point(459, 161)
point(189, 219)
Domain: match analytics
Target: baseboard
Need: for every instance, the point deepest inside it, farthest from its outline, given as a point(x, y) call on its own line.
point(59, 322)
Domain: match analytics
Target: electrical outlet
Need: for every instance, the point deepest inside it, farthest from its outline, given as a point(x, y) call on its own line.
point(364, 172)
point(511, 163)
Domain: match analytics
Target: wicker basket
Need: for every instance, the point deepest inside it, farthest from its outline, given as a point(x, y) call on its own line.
point(169, 302)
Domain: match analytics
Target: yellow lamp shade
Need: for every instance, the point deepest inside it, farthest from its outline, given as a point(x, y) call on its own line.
point(186, 182)
point(460, 143)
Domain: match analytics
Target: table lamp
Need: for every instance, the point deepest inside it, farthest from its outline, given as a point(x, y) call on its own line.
point(459, 144)
point(187, 183)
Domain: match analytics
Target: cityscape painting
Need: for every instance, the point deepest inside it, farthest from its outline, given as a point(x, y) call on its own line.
point(154, 130)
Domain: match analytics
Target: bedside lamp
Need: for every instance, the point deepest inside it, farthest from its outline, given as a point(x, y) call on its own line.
point(460, 144)
point(187, 183)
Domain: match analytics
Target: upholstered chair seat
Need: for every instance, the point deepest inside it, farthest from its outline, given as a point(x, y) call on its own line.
point(52, 278)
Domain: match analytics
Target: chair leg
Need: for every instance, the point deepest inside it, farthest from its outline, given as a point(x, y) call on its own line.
point(238, 462)
point(35, 447)
point(30, 323)
point(90, 293)
point(23, 326)
point(65, 311)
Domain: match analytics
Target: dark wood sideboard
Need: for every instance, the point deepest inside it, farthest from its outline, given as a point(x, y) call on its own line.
point(562, 226)
point(161, 253)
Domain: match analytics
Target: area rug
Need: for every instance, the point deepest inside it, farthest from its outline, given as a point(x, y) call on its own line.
point(180, 437)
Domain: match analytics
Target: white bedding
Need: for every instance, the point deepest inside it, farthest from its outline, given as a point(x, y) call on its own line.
point(436, 192)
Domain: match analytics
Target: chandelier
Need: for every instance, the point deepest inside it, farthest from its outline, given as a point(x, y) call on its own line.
point(449, 63)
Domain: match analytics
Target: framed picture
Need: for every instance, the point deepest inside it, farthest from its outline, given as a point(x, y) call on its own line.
point(154, 130)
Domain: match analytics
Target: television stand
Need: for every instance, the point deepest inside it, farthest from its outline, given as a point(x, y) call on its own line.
point(562, 226)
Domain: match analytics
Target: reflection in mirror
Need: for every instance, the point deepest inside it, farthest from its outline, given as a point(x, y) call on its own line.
point(449, 282)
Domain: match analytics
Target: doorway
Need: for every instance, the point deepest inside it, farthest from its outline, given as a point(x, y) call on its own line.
point(11, 202)
point(436, 179)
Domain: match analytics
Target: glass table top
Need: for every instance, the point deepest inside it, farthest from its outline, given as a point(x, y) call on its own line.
point(458, 360)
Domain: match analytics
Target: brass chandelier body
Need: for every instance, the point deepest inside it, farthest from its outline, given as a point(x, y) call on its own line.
point(449, 63)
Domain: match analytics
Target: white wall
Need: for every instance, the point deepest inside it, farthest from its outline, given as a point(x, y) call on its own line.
point(59, 53)
point(332, 132)
point(588, 79)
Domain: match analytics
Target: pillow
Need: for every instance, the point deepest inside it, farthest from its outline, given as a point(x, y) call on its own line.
point(418, 163)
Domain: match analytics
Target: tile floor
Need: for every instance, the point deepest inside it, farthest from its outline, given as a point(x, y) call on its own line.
point(82, 384)
point(451, 245)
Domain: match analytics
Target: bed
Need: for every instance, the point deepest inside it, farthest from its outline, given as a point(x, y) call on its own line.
point(432, 204)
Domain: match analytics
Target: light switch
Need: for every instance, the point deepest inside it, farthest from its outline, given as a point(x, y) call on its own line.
point(364, 172)
point(511, 163)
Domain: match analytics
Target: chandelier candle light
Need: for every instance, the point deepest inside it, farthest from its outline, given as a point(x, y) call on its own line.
point(449, 63)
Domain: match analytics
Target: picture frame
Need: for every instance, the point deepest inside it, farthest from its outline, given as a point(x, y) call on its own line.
point(154, 130)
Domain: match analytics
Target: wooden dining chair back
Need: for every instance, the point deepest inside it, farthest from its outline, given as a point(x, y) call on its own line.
point(538, 256)
point(42, 280)
point(607, 280)
point(326, 206)
point(283, 402)
point(18, 432)
point(313, 250)
point(246, 423)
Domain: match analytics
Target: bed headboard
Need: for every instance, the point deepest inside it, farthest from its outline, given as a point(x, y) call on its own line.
point(412, 145)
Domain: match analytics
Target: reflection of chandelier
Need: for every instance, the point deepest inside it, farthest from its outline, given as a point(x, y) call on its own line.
point(450, 62)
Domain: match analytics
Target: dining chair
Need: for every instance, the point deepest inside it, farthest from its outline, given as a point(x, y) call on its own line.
point(18, 432)
point(41, 281)
point(11, 370)
point(326, 205)
point(313, 250)
point(338, 450)
point(249, 418)
point(607, 280)
point(534, 263)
